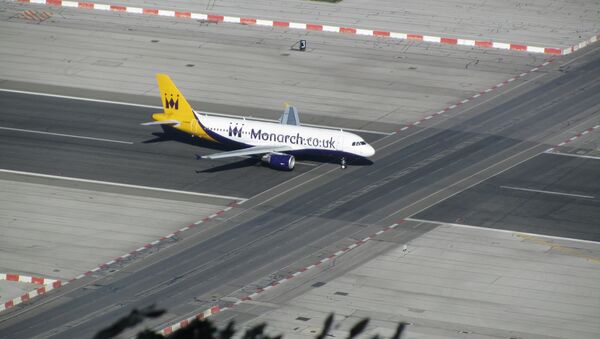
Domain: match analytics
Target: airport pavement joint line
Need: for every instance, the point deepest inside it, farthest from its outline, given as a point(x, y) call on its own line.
point(317, 27)
point(474, 96)
point(217, 309)
point(48, 285)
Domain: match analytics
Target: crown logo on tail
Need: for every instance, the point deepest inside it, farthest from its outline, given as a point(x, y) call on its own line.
point(170, 103)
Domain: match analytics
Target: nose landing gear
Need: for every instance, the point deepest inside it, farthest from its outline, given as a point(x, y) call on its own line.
point(343, 163)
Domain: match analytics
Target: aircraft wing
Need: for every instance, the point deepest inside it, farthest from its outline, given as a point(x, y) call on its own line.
point(256, 150)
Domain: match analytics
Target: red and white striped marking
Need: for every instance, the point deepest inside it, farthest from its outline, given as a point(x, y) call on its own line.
point(156, 242)
point(317, 27)
point(216, 309)
point(473, 97)
point(48, 285)
point(573, 138)
point(36, 16)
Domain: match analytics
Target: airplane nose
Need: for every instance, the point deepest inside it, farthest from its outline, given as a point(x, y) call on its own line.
point(370, 151)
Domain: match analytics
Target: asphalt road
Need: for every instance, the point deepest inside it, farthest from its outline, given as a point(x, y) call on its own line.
point(273, 230)
point(550, 194)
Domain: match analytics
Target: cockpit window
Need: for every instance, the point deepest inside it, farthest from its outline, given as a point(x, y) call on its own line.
point(358, 143)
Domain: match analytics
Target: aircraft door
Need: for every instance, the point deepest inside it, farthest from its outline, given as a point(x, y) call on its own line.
point(340, 141)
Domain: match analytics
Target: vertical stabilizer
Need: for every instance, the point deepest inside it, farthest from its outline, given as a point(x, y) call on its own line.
point(290, 116)
point(174, 103)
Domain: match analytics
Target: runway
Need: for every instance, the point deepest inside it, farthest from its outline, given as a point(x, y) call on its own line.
point(319, 206)
point(105, 142)
point(549, 194)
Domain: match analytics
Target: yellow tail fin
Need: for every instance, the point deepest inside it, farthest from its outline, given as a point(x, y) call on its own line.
point(175, 105)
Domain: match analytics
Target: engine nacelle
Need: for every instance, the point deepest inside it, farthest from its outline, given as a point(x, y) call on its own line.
point(280, 161)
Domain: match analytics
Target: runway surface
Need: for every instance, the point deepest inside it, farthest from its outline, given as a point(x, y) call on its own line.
point(102, 141)
point(411, 172)
point(551, 194)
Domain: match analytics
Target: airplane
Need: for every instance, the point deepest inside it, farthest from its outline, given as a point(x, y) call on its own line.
point(276, 143)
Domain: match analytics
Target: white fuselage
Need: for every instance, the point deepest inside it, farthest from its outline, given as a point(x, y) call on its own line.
point(321, 141)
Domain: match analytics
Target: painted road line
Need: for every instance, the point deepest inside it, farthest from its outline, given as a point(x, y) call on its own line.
point(79, 98)
point(501, 230)
point(122, 103)
point(551, 151)
point(64, 135)
point(122, 185)
point(548, 192)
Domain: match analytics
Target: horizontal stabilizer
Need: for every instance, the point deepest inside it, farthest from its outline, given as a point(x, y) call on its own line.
point(163, 122)
point(257, 150)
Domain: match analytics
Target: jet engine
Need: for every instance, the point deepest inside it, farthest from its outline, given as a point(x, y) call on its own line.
point(279, 161)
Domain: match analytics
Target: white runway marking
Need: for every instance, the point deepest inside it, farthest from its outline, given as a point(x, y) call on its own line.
point(78, 98)
point(548, 192)
point(573, 155)
point(122, 185)
point(65, 135)
point(160, 108)
point(500, 230)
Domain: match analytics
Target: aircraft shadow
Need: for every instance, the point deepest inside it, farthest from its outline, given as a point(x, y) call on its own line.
point(330, 160)
point(232, 166)
point(171, 134)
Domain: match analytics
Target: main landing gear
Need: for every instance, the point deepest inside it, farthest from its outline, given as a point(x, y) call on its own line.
point(343, 163)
